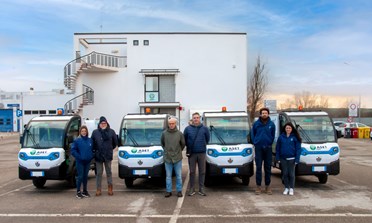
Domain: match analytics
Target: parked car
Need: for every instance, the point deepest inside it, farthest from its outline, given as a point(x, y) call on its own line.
point(340, 126)
point(355, 125)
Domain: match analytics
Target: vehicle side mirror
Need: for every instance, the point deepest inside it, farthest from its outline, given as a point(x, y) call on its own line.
point(21, 139)
point(339, 135)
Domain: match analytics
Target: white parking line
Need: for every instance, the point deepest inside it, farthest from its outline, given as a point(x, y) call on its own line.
point(18, 189)
point(188, 216)
point(178, 207)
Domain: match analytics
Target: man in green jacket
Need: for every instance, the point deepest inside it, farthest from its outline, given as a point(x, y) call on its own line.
point(173, 142)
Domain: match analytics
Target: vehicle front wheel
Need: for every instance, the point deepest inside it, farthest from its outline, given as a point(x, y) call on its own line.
point(323, 178)
point(245, 180)
point(128, 182)
point(39, 182)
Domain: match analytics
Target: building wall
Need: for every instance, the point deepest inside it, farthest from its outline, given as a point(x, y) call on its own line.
point(212, 72)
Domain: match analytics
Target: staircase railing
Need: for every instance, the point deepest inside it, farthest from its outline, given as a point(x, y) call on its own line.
point(86, 98)
point(93, 58)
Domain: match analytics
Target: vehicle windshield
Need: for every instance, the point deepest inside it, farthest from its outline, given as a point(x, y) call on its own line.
point(314, 129)
point(44, 134)
point(228, 130)
point(143, 132)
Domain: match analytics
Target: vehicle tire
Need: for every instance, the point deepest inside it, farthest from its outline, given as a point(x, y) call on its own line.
point(245, 180)
point(73, 178)
point(323, 178)
point(39, 182)
point(128, 182)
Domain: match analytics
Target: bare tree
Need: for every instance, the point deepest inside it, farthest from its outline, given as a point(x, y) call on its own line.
point(256, 88)
point(307, 99)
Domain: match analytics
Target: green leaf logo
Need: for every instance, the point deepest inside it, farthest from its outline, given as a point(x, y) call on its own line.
point(33, 152)
point(312, 147)
point(134, 150)
point(224, 149)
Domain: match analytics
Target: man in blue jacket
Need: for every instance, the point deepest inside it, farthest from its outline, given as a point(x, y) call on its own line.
point(196, 137)
point(263, 134)
point(104, 142)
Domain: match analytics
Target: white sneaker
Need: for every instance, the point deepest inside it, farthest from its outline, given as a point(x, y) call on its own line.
point(291, 191)
point(286, 190)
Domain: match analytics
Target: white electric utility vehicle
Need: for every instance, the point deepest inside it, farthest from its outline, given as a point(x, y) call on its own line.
point(140, 153)
point(45, 149)
point(320, 153)
point(228, 151)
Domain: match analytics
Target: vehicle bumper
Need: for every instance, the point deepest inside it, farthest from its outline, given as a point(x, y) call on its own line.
point(155, 171)
point(243, 170)
point(55, 173)
point(307, 169)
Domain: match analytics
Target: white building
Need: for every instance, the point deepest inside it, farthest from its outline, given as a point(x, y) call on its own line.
point(18, 108)
point(113, 74)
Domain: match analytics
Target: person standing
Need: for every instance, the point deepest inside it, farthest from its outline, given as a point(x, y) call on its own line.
point(288, 151)
point(173, 142)
point(81, 149)
point(104, 142)
point(196, 137)
point(263, 134)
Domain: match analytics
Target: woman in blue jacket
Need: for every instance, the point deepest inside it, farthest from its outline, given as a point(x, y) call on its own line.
point(288, 151)
point(81, 149)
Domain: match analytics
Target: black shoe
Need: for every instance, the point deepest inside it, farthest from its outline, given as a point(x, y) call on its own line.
point(202, 193)
point(79, 195)
point(168, 194)
point(179, 194)
point(85, 194)
point(191, 192)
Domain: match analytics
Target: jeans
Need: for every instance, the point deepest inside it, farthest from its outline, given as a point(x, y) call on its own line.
point(99, 166)
point(201, 160)
point(169, 170)
point(263, 154)
point(82, 169)
point(288, 172)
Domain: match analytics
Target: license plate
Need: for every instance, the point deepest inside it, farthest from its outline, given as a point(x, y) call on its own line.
point(319, 168)
point(140, 172)
point(230, 170)
point(37, 173)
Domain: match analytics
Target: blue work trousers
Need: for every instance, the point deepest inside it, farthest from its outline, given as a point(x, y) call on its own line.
point(263, 155)
point(288, 172)
point(82, 169)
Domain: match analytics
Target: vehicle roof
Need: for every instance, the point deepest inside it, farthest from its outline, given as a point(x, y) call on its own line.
point(225, 114)
point(145, 116)
point(302, 113)
point(54, 118)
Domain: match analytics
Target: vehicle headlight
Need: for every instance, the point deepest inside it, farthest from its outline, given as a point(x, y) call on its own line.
point(159, 153)
point(121, 153)
point(210, 152)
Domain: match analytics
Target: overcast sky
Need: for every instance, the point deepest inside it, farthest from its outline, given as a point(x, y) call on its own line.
point(324, 47)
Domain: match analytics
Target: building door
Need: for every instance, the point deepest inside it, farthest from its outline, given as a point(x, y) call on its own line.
point(6, 120)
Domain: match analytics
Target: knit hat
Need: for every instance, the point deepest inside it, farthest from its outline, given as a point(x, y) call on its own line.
point(102, 119)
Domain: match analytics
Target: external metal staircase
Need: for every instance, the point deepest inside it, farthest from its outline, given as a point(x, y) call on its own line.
point(91, 63)
point(76, 104)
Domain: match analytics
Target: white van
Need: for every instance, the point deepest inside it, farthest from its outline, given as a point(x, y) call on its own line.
point(320, 153)
point(228, 151)
point(140, 153)
point(45, 149)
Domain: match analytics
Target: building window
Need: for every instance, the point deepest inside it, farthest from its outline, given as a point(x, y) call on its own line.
point(27, 112)
point(152, 89)
point(1, 121)
point(52, 112)
point(160, 88)
point(146, 42)
point(35, 112)
point(135, 42)
point(42, 112)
